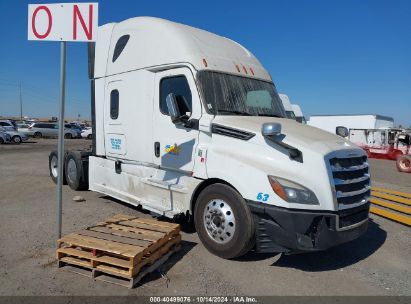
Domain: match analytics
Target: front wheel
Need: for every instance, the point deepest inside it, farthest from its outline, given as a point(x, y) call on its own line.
point(68, 136)
point(224, 222)
point(16, 139)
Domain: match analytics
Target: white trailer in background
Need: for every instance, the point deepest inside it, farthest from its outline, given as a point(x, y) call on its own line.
point(299, 116)
point(287, 106)
point(329, 123)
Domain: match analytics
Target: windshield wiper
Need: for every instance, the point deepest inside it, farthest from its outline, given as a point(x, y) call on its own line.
point(235, 112)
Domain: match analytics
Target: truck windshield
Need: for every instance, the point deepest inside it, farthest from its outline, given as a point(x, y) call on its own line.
point(226, 94)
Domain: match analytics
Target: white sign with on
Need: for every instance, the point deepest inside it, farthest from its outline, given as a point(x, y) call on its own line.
point(63, 22)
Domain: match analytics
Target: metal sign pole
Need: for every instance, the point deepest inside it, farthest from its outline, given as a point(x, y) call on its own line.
point(60, 155)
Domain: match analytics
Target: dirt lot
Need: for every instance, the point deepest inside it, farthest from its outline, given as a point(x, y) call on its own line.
point(376, 264)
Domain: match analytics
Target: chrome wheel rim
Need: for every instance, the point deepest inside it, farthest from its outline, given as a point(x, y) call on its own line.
point(17, 139)
point(219, 221)
point(72, 170)
point(405, 164)
point(53, 165)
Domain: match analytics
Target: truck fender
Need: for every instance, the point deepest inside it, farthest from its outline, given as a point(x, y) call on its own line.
point(207, 182)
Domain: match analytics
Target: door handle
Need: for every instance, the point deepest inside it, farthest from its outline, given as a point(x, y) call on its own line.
point(157, 149)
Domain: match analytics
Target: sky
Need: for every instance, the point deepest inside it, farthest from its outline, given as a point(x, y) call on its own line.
point(331, 57)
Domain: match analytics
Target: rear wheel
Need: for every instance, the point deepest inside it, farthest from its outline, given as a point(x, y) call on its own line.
point(89, 136)
point(53, 167)
point(1, 141)
point(404, 163)
point(224, 222)
point(16, 139)
point(38, 135)
point(68, 136)
point(75, 175)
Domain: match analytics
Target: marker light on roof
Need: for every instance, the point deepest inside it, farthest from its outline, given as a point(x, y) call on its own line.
point(251, 70)
point(238, 68)
point(205, 62)
point(245, 70)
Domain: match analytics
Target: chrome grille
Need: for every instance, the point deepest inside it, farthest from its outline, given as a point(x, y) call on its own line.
point(351, 179)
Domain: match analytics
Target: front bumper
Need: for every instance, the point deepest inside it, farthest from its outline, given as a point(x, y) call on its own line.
point(293, 231)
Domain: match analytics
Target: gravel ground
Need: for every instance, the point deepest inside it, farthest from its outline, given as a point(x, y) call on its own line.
point(376, 264)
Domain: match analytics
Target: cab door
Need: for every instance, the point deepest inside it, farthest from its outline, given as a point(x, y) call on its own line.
point(174, 145)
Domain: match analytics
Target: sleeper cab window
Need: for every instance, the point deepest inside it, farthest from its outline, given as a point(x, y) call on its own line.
point(120, 45)
point(114, 104)
point(178, 85)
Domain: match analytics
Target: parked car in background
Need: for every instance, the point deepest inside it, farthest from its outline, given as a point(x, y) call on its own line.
point(8, 125)
point(75, 128)
point(24, 128)
point(48, 129)
point(4, 137)
point(87, 133)
point(15, 136)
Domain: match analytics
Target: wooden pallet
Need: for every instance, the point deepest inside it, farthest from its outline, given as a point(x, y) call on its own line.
point(123, 247)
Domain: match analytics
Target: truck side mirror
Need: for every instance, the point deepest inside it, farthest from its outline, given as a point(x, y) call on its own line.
point(271, 129)
point(341, 131)
point(174, 110)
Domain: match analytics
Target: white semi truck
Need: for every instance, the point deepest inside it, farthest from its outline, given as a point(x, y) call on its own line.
point(188, 122)
point(299, 116)
point(289, 112)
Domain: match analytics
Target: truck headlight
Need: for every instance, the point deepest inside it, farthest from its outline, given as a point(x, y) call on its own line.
point(292, 192)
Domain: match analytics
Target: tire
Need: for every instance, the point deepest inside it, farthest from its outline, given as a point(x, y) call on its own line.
point(53, 168)
point(1, 141)
point(38, 135)
point(90, 136)
point(68, 136)
point(16, 139)
point(76, 176)
point(229, 231)
point(404, 163)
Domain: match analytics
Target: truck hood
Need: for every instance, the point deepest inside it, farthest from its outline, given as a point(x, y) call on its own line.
point(295, 134)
